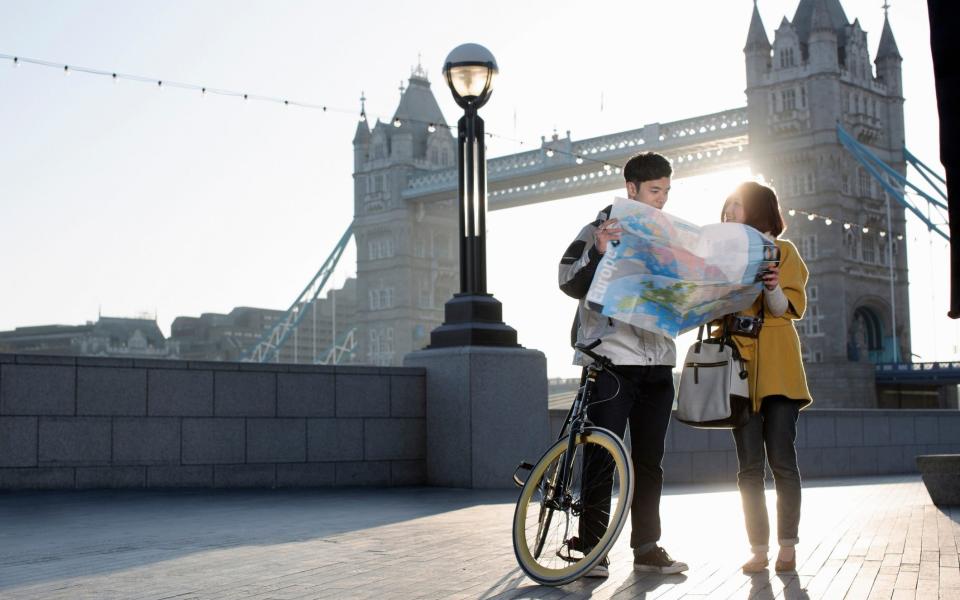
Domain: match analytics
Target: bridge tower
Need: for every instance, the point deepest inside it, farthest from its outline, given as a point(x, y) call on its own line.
point(407, 262)
point(818, 74)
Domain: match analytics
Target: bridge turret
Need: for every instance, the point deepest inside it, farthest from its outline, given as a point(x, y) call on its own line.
point(823, 42)
point(888, 60)
point(757, 50)
point(361, 139)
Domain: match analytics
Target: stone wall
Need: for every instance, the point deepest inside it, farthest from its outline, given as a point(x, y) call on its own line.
point(842, 384)
point(97, 422)
point(830, 443)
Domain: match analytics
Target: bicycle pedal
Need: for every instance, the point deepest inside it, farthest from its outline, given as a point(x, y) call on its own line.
point(522, 466)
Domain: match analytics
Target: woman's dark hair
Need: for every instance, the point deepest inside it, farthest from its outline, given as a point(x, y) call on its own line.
point(647, 166)
point(760, 207)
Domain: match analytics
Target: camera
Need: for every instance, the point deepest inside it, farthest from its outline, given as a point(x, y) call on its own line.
point(743, 325)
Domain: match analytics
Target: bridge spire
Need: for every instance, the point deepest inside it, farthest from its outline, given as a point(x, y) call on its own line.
point(888, 45)
point(757, 35)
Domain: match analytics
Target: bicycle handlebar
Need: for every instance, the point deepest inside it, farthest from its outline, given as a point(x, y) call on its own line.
point(586, 349)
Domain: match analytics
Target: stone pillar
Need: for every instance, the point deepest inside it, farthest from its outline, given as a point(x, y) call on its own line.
point(486, 411)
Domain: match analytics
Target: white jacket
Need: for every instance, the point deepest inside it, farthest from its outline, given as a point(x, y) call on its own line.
point(622, 343)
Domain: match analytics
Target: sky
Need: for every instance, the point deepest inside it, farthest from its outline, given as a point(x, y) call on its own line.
point(125, 199)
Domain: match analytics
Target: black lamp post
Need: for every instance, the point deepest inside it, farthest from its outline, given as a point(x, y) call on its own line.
point(473, 317)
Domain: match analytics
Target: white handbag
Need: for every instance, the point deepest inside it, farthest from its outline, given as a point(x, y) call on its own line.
point(713, 391)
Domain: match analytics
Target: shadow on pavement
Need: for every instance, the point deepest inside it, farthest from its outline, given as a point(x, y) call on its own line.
point(48, 536)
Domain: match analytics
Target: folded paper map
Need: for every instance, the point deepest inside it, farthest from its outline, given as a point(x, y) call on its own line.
point(668, 275)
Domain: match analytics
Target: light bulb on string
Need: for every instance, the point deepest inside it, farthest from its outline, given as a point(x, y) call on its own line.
point(579, 160)
point(246, 97)
point(203, 92)
point(828, 221)
point(159, 84)
point(549, 153)
point(66, 69)
point(883, 234)
point(846, 225)
point(900, 236)
point(397, 122)
point(811, 217)
point(16, 61)
point(363, 117)
point(113, 77)
point(431, 128)
point(866, 230)
point(792, 212)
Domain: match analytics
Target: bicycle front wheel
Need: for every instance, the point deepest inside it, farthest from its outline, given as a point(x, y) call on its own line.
point(571, 509)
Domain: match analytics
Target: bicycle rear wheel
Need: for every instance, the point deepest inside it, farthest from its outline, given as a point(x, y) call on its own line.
point(553, 541)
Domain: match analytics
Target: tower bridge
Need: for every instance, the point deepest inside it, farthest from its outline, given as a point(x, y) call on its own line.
point(817, 73)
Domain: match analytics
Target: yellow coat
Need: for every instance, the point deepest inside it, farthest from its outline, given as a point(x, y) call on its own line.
point(778, 370)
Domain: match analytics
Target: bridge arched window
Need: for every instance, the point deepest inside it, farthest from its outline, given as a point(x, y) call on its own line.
point(787, 58)
point(869, 249)
point(853, 245)
point(863, 180)
point(883, 250)
point(789, 99)
point(865, 339)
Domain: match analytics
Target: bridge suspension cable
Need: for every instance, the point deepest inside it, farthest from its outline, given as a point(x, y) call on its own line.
point(877, 168)
point(268, 348)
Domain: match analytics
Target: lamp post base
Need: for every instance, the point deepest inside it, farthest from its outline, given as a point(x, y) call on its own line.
point(473, 320)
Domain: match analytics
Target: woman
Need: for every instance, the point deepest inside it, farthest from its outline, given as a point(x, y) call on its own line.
point(778, 385)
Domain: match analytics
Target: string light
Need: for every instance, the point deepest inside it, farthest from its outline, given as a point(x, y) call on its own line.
point(164, 83)
point(847, 226)
point(549, 153)
point(206, 91)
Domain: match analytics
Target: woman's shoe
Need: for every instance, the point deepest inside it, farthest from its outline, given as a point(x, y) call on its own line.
point(754, 566)
point(786, 566)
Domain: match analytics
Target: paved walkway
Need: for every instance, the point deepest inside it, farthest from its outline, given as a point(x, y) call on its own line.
point(864, 538)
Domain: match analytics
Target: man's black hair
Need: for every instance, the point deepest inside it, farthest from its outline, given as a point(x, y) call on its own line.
point(647, 166)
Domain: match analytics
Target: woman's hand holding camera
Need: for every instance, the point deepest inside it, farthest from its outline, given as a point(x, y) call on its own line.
point(771, 277)
point(607, 231)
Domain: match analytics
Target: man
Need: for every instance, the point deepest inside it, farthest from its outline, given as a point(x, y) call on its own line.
point(645, 359)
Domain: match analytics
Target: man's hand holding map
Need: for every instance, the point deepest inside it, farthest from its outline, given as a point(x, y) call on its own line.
point(668, 275)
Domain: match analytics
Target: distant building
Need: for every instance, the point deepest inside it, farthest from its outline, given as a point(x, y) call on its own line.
point(109, 336)
point(227, 337)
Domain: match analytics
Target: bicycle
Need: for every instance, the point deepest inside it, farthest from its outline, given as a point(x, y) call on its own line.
point(586, 467)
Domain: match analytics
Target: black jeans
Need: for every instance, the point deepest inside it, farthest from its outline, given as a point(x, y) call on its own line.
point(770, 434)
point(646, 401)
